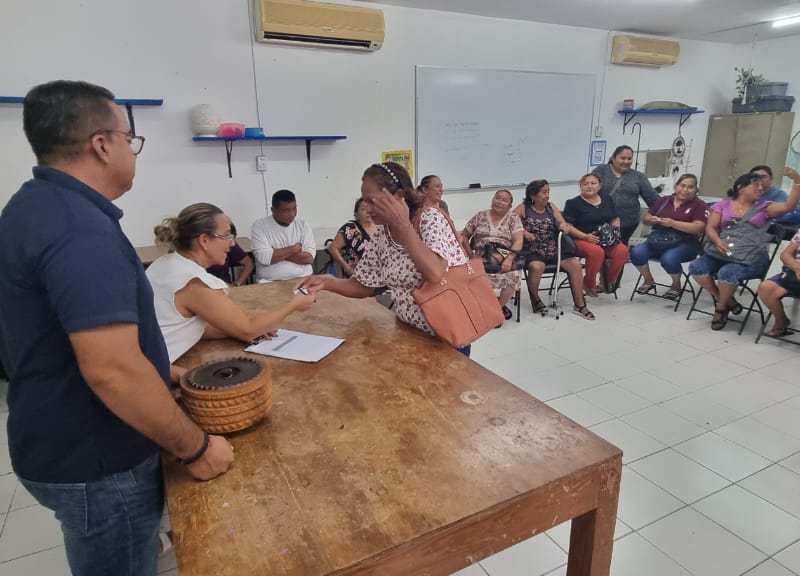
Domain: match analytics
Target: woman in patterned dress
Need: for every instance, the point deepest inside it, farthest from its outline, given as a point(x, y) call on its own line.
point(351, 240)
point(496, 234)
point(542, 221)
point(397, 257)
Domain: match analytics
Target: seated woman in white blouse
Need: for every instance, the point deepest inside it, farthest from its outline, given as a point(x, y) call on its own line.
point(192, 304)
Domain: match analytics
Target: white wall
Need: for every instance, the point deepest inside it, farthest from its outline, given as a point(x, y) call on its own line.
point(156, 49)
point(775, 59)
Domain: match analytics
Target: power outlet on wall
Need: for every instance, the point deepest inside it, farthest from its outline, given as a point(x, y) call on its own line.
point(261, 163)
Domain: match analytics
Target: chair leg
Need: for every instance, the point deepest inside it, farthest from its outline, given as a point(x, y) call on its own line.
point(636, 287)
point(753, 303)
point(694, 302)
point(518, 302)
point(763, 328)
point(686, 284)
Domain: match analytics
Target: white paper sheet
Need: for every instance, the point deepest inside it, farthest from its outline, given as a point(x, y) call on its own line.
point(296, 346)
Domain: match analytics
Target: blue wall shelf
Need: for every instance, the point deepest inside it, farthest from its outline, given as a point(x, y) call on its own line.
point(229, 143)
point(684, 113)
point(129, 103)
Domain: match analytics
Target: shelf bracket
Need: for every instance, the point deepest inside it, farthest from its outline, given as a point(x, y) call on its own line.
point(131, 123)
point(627, 119)
point(308, 154)
point(228, 153)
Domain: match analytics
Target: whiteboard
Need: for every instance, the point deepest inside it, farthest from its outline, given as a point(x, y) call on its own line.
point(502, 127)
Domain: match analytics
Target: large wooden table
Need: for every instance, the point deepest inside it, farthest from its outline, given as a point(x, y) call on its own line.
point(395, 455)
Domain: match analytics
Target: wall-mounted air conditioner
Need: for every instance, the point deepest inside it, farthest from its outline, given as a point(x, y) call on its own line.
point(318, 24)
point(643, 51)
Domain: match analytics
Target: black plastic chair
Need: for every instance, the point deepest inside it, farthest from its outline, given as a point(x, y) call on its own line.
point(686, 285)
point(785, 338)
point(778, 234)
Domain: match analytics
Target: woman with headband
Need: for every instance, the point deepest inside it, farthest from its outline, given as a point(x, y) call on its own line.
point(397, 257)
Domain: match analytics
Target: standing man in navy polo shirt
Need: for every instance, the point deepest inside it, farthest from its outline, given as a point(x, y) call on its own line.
point(88, 369)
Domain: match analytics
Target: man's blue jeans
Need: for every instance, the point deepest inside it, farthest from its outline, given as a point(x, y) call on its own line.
point(110, 525)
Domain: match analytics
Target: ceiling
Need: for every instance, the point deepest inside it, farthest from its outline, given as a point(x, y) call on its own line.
point(734, 21)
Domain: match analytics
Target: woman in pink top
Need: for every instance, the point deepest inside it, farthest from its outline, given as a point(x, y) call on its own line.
point(397, 257)
point(745, 217)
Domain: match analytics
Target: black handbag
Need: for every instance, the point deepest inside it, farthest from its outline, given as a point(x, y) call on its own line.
point(609, 235)
point(661, 239)
point(493, 256)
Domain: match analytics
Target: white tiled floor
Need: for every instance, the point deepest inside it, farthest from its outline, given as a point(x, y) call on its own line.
point(709, 421)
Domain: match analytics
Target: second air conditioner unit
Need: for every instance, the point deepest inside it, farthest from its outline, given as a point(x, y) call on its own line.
point(644, 51)
point(319, 24)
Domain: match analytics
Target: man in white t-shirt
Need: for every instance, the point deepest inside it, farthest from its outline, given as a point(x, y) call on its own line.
point(283, 244)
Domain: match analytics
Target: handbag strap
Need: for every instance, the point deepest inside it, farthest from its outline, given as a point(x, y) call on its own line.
point(616, 185)
point(663, 205)
point(417, 222)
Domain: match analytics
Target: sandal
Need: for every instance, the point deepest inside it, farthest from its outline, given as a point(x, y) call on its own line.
point(646, 288)
point(538, 306)
point(735, 307)
point(672, 294)
point(507, 313)
point(720, 319)
point(785, 331)
point(780, 333)
point(583, 311)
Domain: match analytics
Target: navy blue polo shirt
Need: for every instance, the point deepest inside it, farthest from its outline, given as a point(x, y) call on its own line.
point(65, 267)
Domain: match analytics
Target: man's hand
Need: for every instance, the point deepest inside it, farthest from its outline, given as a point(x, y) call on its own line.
point(216, 460)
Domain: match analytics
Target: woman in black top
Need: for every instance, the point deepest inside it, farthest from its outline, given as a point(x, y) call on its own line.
point(595, 228)
point(351, 239)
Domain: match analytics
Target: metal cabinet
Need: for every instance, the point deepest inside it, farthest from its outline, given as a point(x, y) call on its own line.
point(737, 142)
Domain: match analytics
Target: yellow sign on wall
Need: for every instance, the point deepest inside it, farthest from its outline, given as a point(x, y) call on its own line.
point(403, 157)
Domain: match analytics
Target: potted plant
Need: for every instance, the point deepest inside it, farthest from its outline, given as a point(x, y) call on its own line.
point(746, 82)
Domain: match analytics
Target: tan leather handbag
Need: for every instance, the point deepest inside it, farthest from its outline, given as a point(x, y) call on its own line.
point(461, 307)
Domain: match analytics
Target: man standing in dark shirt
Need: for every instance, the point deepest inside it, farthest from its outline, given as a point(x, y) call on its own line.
point(88, 369)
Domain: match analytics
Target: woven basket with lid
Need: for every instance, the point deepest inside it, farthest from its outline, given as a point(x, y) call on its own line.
point(227, 395)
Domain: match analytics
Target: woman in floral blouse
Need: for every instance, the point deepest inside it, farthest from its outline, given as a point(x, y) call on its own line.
point(496, 235)
point(397, 257)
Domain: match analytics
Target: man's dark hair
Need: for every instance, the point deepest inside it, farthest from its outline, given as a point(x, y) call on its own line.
point(59, 116)
point(761, 168)
point(282, 197)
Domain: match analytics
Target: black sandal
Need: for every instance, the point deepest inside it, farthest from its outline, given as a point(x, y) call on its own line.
point(538, 306)
point(719, 320)
point(646, 288)
point(583, 312)
point(735, 307)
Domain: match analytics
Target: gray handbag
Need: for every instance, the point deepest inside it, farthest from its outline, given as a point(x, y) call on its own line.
point(745, 241)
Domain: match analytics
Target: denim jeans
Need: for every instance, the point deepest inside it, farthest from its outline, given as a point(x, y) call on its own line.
point(465, 350)
point(110, 525)
point(671, 258)
point(729, 272)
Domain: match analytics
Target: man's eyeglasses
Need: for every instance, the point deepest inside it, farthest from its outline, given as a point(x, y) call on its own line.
point(135, 142)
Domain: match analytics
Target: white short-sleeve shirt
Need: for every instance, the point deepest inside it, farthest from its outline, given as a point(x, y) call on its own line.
point(169, 274)
point(267, 235)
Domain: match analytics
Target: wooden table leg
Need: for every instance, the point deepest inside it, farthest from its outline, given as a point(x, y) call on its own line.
point(592, 535)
